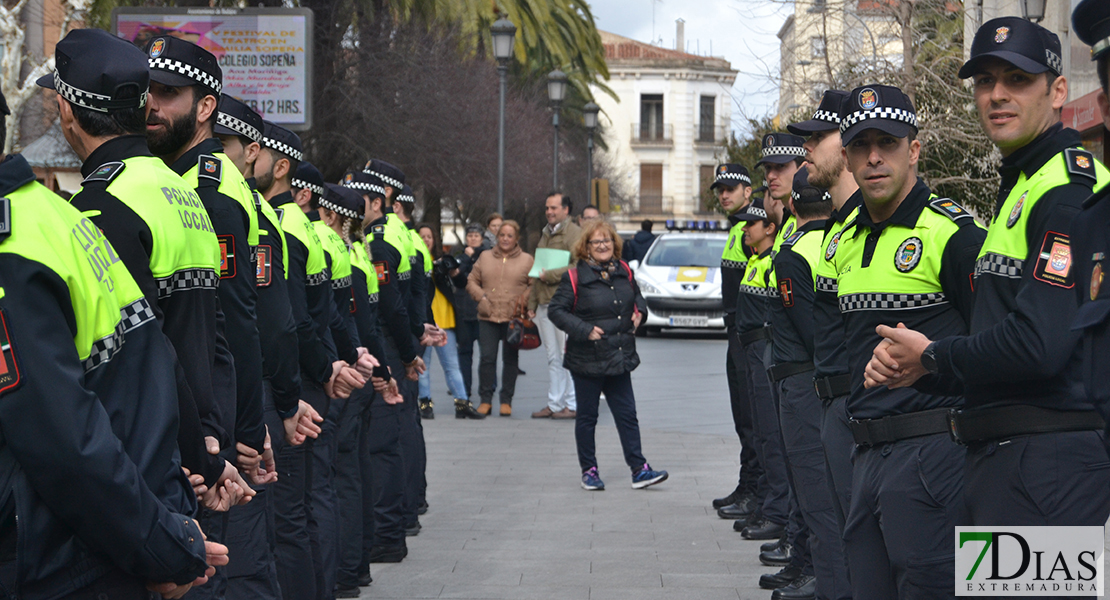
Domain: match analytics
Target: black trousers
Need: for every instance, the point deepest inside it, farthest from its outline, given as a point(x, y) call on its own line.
point(383, 469)
point(466, 335)
point(907, 499)
point(323, 522)
point(293, 548)
point(348, 486)
point(214, 526)
point(774, 484)
point(489, 336)
point(1060, 479)
point(413, 451)
point(839, 444)
point(800, 416)
point(622, 403)
point(736, 369)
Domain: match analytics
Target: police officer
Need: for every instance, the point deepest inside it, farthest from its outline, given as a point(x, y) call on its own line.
point(1034, 442)
point(733, 186)
point(1091, 22)
point(781, 156)
point(70, 351)
point(160, 230)
point(828, 169)
point(908, 257)
point(262, 571)
point(800, 412)
point(384, 475)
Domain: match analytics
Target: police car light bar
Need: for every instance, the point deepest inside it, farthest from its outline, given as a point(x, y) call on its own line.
point(691, 225)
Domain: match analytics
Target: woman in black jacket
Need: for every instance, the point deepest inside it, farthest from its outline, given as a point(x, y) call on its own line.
point(599, 306)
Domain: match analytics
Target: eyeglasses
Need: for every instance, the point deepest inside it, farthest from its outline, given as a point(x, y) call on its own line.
point(596, 243)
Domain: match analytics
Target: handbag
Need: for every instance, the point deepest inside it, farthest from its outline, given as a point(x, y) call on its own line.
point(522, 334)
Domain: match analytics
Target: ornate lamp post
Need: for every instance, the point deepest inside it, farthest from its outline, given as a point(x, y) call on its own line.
point(589, 113)
point(556, 91)
point(504, 36)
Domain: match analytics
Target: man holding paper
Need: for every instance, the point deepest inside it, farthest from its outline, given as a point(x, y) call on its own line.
point(553, 258)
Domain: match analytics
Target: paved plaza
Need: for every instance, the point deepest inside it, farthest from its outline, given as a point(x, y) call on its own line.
point(509, 520)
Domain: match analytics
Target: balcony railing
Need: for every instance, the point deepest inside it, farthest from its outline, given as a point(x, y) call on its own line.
point(652, 135)
point(712, 135)
point(651, 203)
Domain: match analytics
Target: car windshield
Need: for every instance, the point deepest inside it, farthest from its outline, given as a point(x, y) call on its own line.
point(686, 252)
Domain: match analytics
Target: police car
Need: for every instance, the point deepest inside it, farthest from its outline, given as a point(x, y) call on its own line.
point(680, 278)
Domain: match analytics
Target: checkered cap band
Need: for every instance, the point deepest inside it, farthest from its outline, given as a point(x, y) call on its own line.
point(797, 197)
point(89, 100)
point(365, 187)
point(304, 185)
point(175, 66)
point(1054, 61)
point(883, 112)
point(284, 148)
point(342, 282)
point(755, 291)
point(825, 284)
point(727, 263)
point(996, 264)
point(1100, 46)
point(409, 198)
point(784, 151)
point(239, 126)
point(826, 116)
point(318, 278)
point(857, 302)
point(188, 279)
point(131, 316)
point(391, 182)
point(346, 212)
point(726, 177)
point(759, 212)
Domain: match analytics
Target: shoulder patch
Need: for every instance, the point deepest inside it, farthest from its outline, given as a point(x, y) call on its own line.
point(1081, 166)
point(949, 208)
point(9, 367)
point(378, 229)
point(105, 172)
point(1054, 261)
point(210, 168)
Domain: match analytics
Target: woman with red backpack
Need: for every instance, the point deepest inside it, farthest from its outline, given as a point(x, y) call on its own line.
point(599, 306)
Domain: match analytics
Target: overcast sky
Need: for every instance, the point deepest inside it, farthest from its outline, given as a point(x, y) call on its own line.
point(741, 31)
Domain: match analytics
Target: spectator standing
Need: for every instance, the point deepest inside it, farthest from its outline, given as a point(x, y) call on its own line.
point(637, 247)
point(589, 214)
point(499, 283)
point(466, 309)
point(560, 233)
point(599, 308)
point(493, 225)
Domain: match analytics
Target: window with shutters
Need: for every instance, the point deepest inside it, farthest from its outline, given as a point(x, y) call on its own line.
point(651, 188)
point(651, 117)
point(707, 120)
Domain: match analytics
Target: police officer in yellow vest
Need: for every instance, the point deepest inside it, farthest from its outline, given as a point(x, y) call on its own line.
point(161, 231)
point(733, 186)
point(1035, 449)
point(908, 257)
point(74, 330)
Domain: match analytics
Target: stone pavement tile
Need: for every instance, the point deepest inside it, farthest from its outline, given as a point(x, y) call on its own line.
point(624, 593)
point(568, 568)
point(699, 580)
point(528, 546)
point(632, 576)
point(517, 592)
point(400, 589)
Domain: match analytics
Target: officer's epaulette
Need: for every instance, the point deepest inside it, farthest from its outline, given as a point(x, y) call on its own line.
point(209, 168)
point(106, 172)
point(1081, 166)
point(949, 208)
point(797, 235)
point(280, 214)
point(378, 229)
point(5, 218)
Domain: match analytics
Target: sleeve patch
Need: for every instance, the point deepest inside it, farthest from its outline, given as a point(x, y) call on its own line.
point(1055, 261)
point(105, 172)
point(786, 292)
point(264, 268)
point(1081, 166)
point(382, 270)
point(949, 208)
point(210, 168)
point(9, 367)
point(227, 256)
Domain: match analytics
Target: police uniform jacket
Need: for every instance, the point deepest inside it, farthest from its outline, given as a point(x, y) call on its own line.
point(163, 235)
point(1021, 349)
point(277, 330)
point(340, 323)
point(753, 303)
point(829, 355)
point(607, 302)
point(915, 268)
point(90, 478)
point(228, 201)
point(422, 285)
point(792, 315)
point(734, 261)
point(393, 313)
point(364, 300)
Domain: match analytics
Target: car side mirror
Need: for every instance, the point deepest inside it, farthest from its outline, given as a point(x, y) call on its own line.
point(634, 264)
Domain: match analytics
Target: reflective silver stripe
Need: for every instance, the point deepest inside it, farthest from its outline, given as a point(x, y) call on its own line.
point(997, 264)
point(373, 298)
point(404, 276)
point(130, 317)
point(318, 278)
point(757, 291)
point(188, 279)
point(854, 302)
point(343, 282)
point(733, 264)
point(825, 284)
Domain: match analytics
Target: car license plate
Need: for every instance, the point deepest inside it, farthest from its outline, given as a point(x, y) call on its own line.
point(689, 321)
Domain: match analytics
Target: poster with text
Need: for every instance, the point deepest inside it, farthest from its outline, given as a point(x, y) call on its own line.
point(265, 53)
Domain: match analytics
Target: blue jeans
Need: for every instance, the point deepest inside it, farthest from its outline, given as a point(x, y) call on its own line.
point(622, 403)
point(449, 358)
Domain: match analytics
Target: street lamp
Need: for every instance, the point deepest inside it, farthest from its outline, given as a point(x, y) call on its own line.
point(556, 91)
point(1033, 10)
point(589, 114)
point(504, 36)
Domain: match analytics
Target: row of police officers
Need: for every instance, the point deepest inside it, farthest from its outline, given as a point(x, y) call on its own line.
point(209, 355)
point(896, 369)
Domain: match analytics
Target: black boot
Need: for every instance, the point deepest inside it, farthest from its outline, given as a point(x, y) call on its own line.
point(465, 410)
point(763, 530)
point(802, 588)
point(779, 557)
point(427, 409)
point(389, 554)
point(729, 499)
point(744, 506)
point(769, 546)
point(781, 579)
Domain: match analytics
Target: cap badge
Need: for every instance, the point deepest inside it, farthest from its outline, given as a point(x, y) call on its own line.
point(770, 141)
point(157, 47)
point(1083, 162)
point(1015, 214)
point(349, 178)
point(908, 255)
point(1096, 280)
point(1001, 34)
point(868, 98)
point(722, 169)
point(210, 166)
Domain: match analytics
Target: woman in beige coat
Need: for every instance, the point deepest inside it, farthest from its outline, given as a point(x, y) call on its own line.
point(499, 284)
